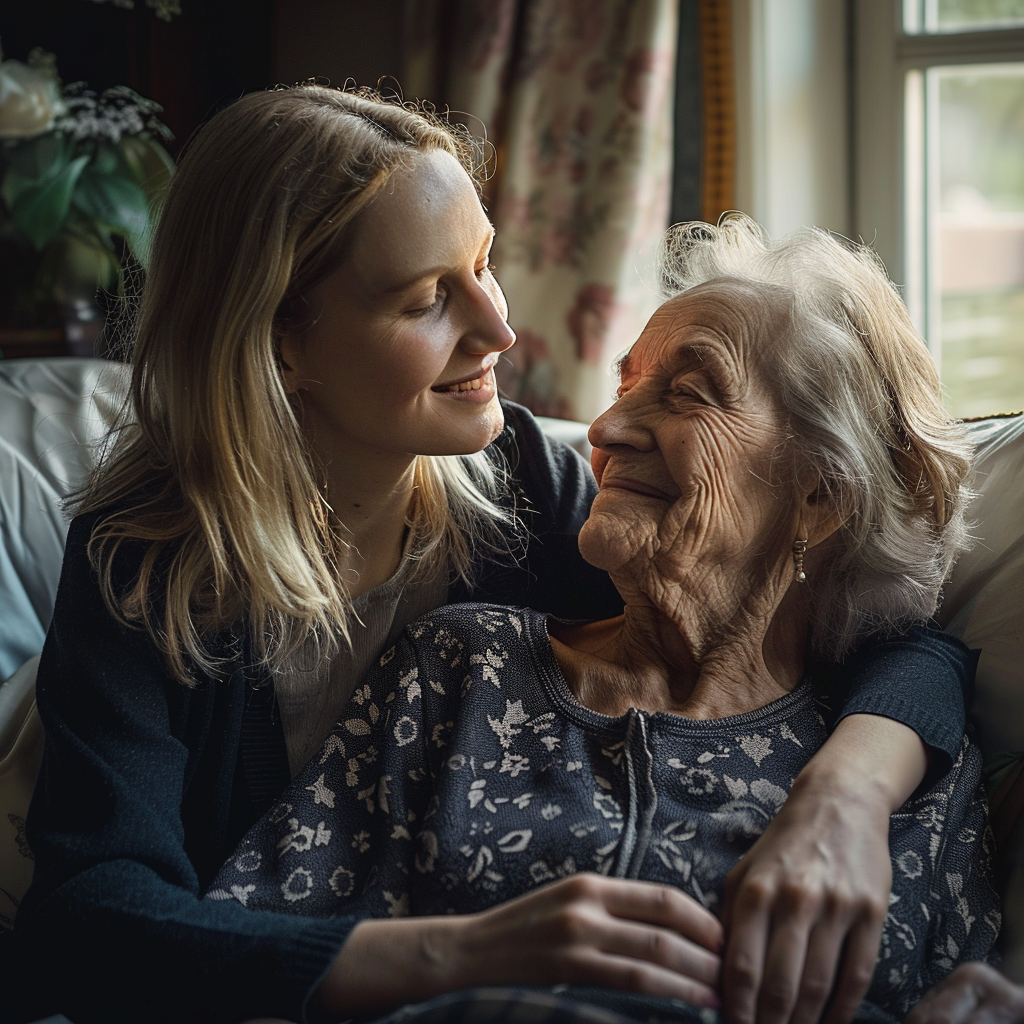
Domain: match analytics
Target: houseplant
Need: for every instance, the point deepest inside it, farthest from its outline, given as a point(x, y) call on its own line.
point(78, 175)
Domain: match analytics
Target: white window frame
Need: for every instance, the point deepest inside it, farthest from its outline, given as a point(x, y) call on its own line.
point(889, 198)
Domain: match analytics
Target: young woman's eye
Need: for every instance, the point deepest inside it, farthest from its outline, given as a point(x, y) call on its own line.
point(439, 297)
point(487, 268)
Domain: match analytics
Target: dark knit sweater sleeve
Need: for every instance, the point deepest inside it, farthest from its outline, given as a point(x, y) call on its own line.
point(113, 927)
point(923, 678)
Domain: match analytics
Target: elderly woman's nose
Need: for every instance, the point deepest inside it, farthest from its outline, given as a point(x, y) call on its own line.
point(624, 423)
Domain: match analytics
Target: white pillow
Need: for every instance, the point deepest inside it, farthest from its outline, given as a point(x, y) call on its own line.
point(21, 753)
point(52, 413)
point(983, 602)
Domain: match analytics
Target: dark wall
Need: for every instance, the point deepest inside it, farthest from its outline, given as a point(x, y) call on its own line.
point(337, 39)
point(211, 53)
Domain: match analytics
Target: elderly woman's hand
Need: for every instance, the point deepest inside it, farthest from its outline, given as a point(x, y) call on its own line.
point(804, 909)
point(973, 994)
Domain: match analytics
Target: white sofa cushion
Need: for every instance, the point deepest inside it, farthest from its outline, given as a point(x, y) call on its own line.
point(983, 602)
point(52, 413)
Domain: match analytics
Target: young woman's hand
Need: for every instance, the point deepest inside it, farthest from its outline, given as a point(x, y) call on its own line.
point(582, 930)
point(973, 994)
point(804, 909)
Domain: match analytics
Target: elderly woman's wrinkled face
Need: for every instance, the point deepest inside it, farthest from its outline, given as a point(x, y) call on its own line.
point(688, 457)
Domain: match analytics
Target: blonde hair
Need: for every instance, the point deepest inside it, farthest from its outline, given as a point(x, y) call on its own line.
point(864, 407)
point(210, 472)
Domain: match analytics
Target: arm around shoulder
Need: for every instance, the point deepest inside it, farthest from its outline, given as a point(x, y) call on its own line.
point(923, 678)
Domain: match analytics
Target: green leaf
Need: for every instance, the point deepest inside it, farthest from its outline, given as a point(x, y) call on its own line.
point(41, 210)
point(43, 156)
point(107, 159)
point(116, 202)
point(150, 164)
point(14, 185)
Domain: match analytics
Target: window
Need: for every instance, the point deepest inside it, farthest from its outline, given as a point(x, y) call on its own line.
point(939, 97)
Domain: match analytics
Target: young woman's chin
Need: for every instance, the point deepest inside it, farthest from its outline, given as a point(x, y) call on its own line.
point(464, 425)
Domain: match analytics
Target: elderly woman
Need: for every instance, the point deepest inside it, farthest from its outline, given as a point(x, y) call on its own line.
point(778, 479)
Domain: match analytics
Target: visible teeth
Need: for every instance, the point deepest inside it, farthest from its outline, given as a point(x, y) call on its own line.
point(467, 385)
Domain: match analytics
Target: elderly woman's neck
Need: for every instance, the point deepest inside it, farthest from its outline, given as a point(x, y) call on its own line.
point(660, 662)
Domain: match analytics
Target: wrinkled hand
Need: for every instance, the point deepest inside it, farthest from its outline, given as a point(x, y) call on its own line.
point(973, 994)
point(582, 930)
point(804, 910)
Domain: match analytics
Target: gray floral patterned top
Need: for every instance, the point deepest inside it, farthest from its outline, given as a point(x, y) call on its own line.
point(465, 773)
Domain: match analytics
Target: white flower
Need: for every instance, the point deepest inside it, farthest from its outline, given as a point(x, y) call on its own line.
point(910, 863)
point(29, 100)
point(342, 881)
point(297, 886)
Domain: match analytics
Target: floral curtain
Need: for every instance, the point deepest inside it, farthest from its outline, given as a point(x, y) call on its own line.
point(576, 98)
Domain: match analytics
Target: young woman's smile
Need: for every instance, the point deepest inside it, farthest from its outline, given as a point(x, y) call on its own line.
point(480, 388)
point(396, 357)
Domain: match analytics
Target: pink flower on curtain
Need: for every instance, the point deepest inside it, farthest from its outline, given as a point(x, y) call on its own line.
point(636, 85)
point(561, 244)
point(589, 319)
point(597, 75)
point(583, 26)
point(577, 144)
point(560, 33)
point(515, 211)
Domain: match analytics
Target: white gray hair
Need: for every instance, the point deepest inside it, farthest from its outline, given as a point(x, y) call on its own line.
point(863, 404)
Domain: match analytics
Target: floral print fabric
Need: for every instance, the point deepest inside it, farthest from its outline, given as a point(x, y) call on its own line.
point(464, 773)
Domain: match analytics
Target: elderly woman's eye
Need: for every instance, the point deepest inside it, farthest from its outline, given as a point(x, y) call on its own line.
point(690, 392)
point(686, 394)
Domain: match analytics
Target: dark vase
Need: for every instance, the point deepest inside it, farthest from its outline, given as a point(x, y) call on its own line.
point(49, 300)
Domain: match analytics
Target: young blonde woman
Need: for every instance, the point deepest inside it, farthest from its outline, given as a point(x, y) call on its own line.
point(315, 454)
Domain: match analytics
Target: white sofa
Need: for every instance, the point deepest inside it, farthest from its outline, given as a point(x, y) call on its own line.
point(53, 412)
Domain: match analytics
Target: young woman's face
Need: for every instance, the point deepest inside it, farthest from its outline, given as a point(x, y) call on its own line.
point(396, 356)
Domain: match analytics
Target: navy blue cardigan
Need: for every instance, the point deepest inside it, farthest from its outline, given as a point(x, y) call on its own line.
point(147, 785)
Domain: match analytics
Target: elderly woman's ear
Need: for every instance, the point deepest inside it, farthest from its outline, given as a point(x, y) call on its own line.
point(820, 514)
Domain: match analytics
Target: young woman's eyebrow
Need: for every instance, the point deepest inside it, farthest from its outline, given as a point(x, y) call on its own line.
point(407, 284)
point(435, 271)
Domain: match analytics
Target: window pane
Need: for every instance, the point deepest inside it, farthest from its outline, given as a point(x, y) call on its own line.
point(976, 231)
point(961, 15)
